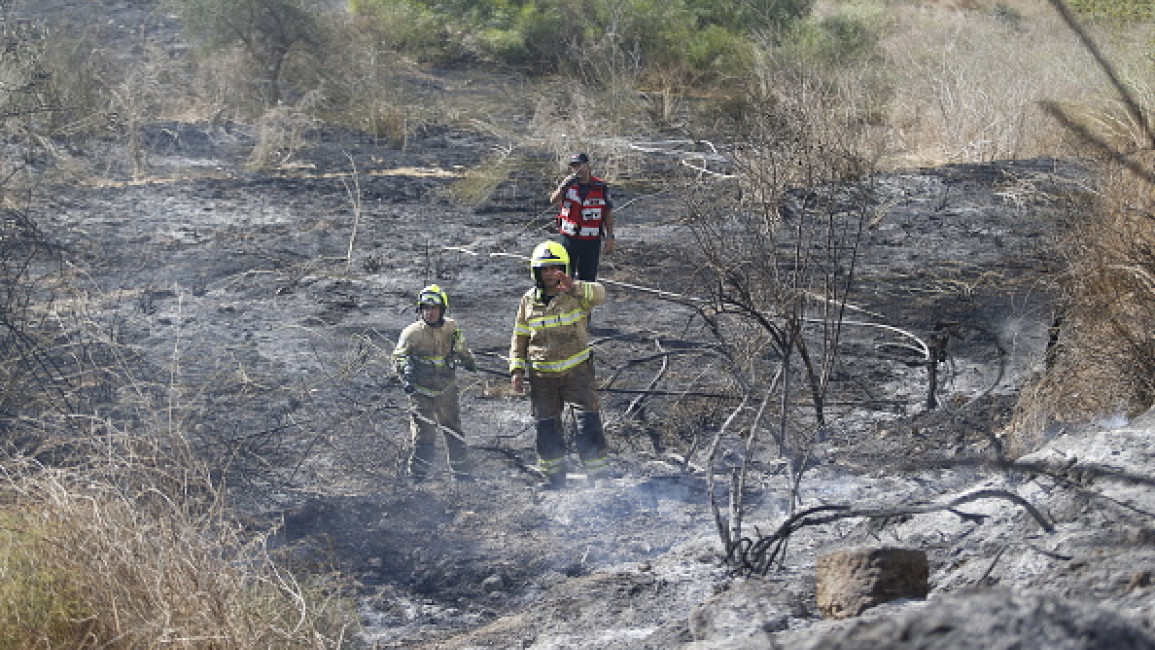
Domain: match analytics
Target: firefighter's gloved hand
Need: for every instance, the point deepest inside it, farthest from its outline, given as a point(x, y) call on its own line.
point(469, 364)
point(407, 388)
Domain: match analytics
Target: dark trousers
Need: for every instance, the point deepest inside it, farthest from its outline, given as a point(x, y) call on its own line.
point(431, 416)
point(548, 396)
point(584, 255)
point(590, 443)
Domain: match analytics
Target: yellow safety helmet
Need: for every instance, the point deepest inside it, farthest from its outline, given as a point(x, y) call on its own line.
point(548, 253)
point(433, 295)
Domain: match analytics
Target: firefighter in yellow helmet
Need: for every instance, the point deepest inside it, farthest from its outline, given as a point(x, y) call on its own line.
point(427, 354)
point(550, 343)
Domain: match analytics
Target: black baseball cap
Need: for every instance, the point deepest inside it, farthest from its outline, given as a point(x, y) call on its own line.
point(579, 158)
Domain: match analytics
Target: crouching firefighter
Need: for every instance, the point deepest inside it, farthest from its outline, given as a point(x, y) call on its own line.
point(551, 343)
point(427, 354)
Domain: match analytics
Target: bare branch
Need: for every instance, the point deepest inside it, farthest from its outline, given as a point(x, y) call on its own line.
point(719, 521)
point(756, 557)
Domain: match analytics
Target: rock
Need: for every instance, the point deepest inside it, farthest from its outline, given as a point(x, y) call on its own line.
point(495, 582)
point(743, 616)
point(850, 582)
point(990, 620)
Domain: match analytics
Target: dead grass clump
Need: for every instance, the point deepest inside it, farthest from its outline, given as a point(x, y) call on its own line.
point(1103, 362)
point(481, 182)
point(115, 560)
point(972, 82)
point(281, 133)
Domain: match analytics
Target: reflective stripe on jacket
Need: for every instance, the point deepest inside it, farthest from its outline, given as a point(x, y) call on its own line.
point(581, 218)
point(430, 354)
point(551, 337)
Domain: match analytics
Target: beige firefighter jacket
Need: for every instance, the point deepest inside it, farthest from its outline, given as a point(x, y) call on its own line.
point(551, 337)
point(428, 355)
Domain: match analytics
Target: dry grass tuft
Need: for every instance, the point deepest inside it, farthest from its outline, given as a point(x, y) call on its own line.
point(1103, 362)
point(281, 133)
point(137, 554)
point(972, 80)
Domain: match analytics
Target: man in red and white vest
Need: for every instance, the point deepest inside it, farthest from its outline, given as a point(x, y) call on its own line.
point(586, 220)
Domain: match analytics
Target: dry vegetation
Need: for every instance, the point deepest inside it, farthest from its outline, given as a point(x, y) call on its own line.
point(107, 545)
point(972, 82)
point(135, 549)
point(1102, 361)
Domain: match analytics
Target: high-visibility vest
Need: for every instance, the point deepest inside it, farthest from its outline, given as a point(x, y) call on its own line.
point(581, 218)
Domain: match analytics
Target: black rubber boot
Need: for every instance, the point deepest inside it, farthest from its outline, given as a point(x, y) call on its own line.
point(591, 445)
point(550, 454)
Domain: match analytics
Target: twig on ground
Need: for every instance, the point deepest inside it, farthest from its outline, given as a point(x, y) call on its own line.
point(758, 556)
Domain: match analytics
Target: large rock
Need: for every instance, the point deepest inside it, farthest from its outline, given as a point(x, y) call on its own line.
point(993, 620)
point(850, 582)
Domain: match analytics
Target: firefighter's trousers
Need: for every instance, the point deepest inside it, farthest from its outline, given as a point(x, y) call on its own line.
point(431, 415)
point(549, 395)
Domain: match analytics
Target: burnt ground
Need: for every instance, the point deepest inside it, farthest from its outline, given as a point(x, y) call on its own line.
point(238, 309)
point(234, 291)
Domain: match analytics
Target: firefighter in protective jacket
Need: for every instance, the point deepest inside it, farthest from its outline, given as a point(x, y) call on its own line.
point(427, 354)
point(550, 343)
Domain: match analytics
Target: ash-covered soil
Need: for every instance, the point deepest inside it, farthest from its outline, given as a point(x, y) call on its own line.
point(259, 309)
point(236, 292)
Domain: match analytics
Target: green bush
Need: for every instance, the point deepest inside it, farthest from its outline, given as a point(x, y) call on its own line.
point(749, 16)
point(850, 36)
point(718, 54)
point(699, 38)
point(540, 31)
point(1122, 11)
point(506, 45)
point(407, 26)
point(656, 31)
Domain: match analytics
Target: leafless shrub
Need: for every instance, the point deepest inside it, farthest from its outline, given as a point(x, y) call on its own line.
point(75, 71)
point(757, 557)
point(281, 132)
point(220, 88)
point(364, 85)
point(30, 365)
point(612, 65)
point(779, 241)
point(36, 368)
point(65, 82)
point(273, 34)
point(144, 93)
point(1102, 363)
point(115, 523)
